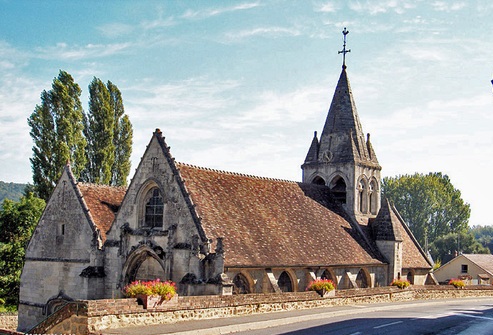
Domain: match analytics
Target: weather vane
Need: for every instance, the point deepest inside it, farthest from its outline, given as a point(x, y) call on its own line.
point(344, 51)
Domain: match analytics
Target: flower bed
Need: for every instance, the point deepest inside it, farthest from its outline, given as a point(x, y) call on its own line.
point(457, 283)
point(324, 287)
point(164, 289)
point(400, 283)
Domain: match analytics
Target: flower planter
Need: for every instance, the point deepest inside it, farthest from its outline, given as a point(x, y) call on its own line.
point(326, 294)
point(155, 301)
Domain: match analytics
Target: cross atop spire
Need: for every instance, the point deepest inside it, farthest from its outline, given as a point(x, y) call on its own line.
point(344, 51)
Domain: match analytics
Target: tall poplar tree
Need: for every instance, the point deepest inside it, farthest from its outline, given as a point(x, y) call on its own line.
point(99, 131)
point(122, 138)
point(109, 134)
point(56, 129)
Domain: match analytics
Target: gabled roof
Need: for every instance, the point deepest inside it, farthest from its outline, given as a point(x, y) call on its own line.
point(103, 202)
point(413, 256)
point(484, 261)
point(386, 224)
point(269, 222)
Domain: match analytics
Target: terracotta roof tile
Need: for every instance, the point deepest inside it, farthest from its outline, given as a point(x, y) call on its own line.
point(268, 222)
point(484, 261)
point(412, 254)
point(103, 202)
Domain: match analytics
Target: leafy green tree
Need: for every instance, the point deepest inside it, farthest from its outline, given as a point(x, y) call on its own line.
point(56, 129)
point(99, 129)
point(122, 140)
point(11, 191)
point(463, 242)
point(109, 134)
point(429, 204)
point(484, 235)
point(17, 223)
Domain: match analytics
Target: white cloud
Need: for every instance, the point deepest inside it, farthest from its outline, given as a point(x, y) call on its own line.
point(64, 51)
point(281, 109)
point(447, 6)
point(381, 6)
point(159, 23)
point(271, 32)
point(328, 7)
point(203, 14)
point(115, 29)
point(17, 102)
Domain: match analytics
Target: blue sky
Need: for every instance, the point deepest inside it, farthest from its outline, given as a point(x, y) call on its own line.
point(242, 85)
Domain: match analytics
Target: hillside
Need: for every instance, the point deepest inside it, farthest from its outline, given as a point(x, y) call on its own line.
point(11, 191)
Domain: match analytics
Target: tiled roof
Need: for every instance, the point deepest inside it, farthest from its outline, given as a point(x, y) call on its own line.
point(484, 261)
point(386, 224)
point(412, 254)
point(103, 202)
point(268, 222)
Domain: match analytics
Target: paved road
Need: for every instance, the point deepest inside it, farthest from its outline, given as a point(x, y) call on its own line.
point(471, 316)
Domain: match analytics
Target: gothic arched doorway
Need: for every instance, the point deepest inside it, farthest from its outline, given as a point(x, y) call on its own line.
point(144, 264)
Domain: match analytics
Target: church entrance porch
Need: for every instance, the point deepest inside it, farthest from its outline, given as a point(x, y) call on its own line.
point(144, 264)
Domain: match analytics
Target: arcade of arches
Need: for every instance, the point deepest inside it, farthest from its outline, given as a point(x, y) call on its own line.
point(292, 280)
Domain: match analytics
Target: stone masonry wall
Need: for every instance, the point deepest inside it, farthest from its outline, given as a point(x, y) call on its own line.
point(8, 321)
point(96, 315)
point(207, 307)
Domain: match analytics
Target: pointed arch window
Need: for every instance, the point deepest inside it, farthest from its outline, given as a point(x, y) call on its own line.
point(154, 209)
point(362, 279)
point(241, 285)
point(373, 197)
point(318, 180)
point(338, 189)
point(285, 283)
point(362, 196)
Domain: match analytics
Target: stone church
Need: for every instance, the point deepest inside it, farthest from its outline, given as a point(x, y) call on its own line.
point(217, 232)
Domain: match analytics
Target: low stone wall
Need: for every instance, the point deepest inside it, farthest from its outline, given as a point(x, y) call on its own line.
point(208, 307)
point(92, 316)
point(8, 322)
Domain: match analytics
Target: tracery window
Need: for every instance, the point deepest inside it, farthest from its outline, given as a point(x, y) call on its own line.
point(154, 209)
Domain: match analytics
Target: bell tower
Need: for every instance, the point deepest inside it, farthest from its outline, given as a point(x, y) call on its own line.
point(342, 158)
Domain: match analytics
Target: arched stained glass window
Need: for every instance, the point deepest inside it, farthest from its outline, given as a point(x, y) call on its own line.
point(154, 209)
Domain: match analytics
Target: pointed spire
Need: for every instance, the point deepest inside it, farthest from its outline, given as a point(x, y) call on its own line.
point(312, 155)
point(386, 224)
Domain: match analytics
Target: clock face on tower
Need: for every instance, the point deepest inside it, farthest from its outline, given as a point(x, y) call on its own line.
point(327, 156)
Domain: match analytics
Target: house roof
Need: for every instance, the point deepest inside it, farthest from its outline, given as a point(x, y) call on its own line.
point(103, 202)
point(269, 222)
point(484, 261)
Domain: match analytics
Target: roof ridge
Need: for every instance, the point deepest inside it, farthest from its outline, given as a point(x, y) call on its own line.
point(102, 185)
point(236, 173)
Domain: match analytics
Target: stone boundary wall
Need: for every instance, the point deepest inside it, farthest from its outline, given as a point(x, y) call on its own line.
point(8, 321)
point(208, 307)
point(92, 316)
